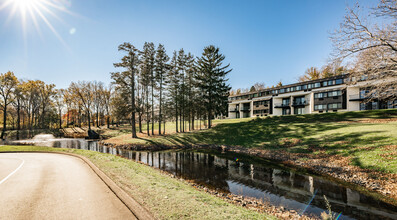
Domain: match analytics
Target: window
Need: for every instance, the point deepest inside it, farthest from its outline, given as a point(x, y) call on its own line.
point(338, 81)
point(334, 105)
point(320, 107)
point(317, 85)
point(299, 111)
point(320, 95)
point(325, 83)
point(282, 90)
point(288, 89)
point(304, 87)
point(334, 93)
point(286, 101)
point(392, 104)
point(363, 94)
point(286, 111)
point(310, 86)
point(330, 82)
point(298, 88)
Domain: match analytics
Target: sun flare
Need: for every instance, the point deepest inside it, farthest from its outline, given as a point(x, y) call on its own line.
point(36, 11)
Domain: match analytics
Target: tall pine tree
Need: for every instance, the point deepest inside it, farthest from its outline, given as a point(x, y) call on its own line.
point(125, 80)
point(212, 81)
point(161, 69)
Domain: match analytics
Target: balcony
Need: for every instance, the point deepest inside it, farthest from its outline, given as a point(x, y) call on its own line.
point(357, 98)
point(244, 109)
point(282, 105)
point(300, 103)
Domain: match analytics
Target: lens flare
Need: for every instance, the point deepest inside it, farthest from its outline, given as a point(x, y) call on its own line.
point(36, 11)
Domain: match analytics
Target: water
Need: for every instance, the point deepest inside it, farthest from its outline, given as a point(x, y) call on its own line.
point(242, 175)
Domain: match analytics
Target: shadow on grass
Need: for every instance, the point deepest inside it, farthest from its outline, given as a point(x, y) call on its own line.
point(285, 132)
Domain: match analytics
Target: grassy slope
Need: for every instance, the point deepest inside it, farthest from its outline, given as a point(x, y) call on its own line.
point(165, 197)
point(346, 134)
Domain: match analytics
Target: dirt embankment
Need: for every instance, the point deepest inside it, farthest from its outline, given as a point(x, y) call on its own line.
point(335, 166)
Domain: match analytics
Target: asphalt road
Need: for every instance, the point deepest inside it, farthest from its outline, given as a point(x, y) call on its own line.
point(54, 186)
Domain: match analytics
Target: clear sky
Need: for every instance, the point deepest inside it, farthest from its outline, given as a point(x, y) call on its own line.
point(264, 41)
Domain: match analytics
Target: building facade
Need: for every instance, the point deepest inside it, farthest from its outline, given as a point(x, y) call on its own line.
point(332, 94)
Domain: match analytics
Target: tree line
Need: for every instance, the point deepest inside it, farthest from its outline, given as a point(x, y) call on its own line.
point(150, 87)
point(153, 87)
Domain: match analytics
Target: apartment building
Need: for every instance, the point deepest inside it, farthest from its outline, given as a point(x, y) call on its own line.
point(317, 96)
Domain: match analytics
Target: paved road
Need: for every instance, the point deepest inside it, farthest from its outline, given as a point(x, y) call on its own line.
point(54, 186)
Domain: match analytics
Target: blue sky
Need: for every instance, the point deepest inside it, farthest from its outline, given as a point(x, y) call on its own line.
point(264, 41)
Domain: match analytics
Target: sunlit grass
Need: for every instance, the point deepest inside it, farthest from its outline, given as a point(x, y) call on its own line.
point(359, 135)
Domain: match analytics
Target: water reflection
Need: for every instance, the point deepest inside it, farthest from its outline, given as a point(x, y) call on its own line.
point(255, 179)
point(264, 181)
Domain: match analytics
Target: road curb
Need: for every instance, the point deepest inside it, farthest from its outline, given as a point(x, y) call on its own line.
point(137, 209)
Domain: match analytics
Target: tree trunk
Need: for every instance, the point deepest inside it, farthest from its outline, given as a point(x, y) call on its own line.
point(67, 117)
point(60, 119)
point(160, 116)
point(140, 122)
point(164, 128)
point(133, 103)
point(108, 121)
point(176, 116)
point(89, 120)
point(18, 120)
point(147, 112)
point(209, 119)
point(97, 117)
point(4, 121)
point(152, 103)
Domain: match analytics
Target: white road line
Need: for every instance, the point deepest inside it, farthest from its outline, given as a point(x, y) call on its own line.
point(9, 175)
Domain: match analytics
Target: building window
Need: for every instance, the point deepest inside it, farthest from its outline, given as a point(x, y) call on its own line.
point(325, 83)
point(330, 82)
point(317, 85)
point(338, 81)
point(288, 89)
point(363, 94)
point(334, 105)
point(320, 107)
point(298, 88)
point(392, 104)
point(286, 101)
point(282, 90)
point(320, 95)
point(299, 111)
point(286, 111)
point(304, 87)
point(334, 93)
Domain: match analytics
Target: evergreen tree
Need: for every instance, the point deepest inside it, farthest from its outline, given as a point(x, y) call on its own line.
point(161, 69)
point(212, 80)
point(173, 88)
point(125, 80)
point(147, 67)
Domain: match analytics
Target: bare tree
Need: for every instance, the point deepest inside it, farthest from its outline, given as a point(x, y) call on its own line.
point(84, 91)
point(372, 47)
point(8, 82)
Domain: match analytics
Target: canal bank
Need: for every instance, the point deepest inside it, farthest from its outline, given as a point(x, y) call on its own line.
point(334, 166)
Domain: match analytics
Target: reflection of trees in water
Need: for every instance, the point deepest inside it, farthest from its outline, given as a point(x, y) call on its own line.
point(214, 172)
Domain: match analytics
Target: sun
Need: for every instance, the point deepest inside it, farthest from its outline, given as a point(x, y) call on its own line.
point(36, 11)
point(23, 5)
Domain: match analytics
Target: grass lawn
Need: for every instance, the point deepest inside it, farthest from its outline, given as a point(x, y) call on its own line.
point(368, 137)
point(165, 197)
